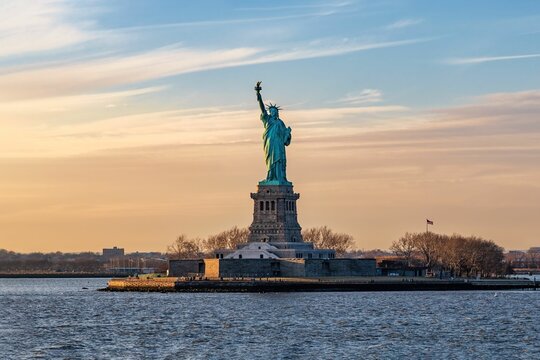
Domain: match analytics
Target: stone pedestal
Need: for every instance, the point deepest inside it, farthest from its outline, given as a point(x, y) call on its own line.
point(274, 215)
point(275, 232)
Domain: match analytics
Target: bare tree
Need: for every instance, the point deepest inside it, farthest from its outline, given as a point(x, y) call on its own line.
point(405, 247)
point(491, 258)
point(469, 256)
point(324, 238)
point(429, 246)
point(228, 239)
point(184, 248)
point(454, 253)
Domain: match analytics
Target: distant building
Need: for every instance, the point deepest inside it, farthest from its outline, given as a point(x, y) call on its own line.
point(521, 259)
point(388, 266)
point(115, 252)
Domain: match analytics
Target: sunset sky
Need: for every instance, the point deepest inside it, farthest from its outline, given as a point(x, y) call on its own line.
point(126, 123)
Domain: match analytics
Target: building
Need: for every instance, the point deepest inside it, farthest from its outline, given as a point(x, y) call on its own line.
point(398, 267)
point(521, 259)
point(115, 252)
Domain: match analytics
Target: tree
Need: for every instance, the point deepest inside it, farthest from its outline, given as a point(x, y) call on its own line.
point(228, 239)
point(405, 247)
point(491, 258)
point(184, 248)
point(454, 254)
point(324, 238)
point(429, 245)
point(461, 255)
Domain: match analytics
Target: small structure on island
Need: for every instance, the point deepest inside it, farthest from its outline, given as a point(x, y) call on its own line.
point(275, 245)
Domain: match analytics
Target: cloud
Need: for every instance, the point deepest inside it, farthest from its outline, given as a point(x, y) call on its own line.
point(480, 60)
point(499, 120)
point(71, 102)
point(105, 72)
point(296, 7)
point(403, 23)
point(120, 70)
point(202, 23)
point(362, 97)
point(501, 112)
point(197, 126)
point(329, 47)
point(38, 25)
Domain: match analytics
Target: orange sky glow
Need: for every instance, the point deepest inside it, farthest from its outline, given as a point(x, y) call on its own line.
point(121, 129)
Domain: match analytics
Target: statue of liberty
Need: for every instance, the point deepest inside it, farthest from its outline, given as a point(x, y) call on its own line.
point(275, 137)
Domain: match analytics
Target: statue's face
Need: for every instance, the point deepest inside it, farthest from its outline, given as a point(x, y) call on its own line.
point(273, 112)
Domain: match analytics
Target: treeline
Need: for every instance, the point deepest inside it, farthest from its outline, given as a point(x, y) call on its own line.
point(83, 262)
point(11, 262)
point(191, 248)
point(457, 254)
point(325, 238)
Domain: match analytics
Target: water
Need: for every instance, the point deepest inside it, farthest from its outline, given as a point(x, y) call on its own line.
point(56, 319)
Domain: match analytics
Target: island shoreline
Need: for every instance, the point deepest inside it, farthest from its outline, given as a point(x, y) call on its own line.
point(261, 285)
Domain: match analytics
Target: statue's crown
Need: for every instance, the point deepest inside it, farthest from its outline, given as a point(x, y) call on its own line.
point(270, 106)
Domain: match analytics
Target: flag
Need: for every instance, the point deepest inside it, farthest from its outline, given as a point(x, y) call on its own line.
point(429, 222)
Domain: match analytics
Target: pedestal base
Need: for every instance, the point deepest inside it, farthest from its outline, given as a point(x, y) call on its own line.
point(274, 214)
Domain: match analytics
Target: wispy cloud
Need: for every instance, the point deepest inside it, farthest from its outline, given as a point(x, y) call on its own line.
point(403, 23)
point(202, 23)
point(295, 7)
point(68, 103)
point(328, 47)
point(362, 97)
point(109, 71)
point(195, 126)
point(169, 61)
point(38, 25)
point(484, 59)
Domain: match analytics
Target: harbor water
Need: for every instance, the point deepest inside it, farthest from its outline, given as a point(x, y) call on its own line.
point(69, 318)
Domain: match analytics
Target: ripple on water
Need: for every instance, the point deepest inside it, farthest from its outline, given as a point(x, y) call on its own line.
point(56, 318)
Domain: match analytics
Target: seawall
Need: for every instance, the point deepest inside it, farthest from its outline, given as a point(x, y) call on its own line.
point(310, 285)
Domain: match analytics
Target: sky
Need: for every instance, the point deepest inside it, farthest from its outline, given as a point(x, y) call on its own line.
point(126, 123)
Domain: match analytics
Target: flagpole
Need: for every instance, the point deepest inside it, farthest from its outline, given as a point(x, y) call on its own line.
point(428, 222)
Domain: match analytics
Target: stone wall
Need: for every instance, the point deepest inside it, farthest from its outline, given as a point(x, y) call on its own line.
point(246, 267)
point(340, 267)
point(216, 268)
point(186, 267)
point(292, 267)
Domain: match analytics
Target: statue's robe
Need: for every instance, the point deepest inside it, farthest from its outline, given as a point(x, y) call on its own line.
point(276, 136)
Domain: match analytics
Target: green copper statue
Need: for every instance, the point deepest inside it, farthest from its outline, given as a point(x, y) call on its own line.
point(276, 136)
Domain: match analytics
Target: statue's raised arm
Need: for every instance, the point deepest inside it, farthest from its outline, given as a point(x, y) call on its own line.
point(258, 89)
